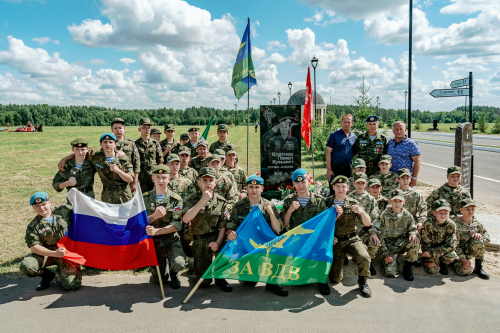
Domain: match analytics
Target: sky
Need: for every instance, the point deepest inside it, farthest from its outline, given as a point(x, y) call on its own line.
point(178, 54)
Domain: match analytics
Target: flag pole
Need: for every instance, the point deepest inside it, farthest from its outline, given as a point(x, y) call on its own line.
point(161, 282)
point(192, 291)
point(248, 92)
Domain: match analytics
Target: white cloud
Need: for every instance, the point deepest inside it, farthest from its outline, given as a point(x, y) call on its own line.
point(127, 61)
point(257, 53)
point(253, 28)
point(318, 17)
point(275, 58)
point(43, 40)
point(97, 61)
point(356, 9)
point(275, 44)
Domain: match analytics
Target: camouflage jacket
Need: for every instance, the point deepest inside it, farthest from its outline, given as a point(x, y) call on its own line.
point(465, 232)
point(243, 207)
point(370, 206)
point(44, 233)
point(227, 189)
point(197, 162)
point(194, 153)
point(415, 204)
point(351, 185)
point(349, 220)
point(226, 146)
point(438, 238)
point(175, 147)
point(239, 176)
point(190, 174)
point(182, 186)
point(454, 196)
point(84, 177)
point(151, 155)
point(394, 225)
point(231, 178)
point(172, 203)
point(108, 177)
point(382, 202)
point(370, 151)
point(315, 206)
point(212, 217)
point(389, 182)
point(130, 149)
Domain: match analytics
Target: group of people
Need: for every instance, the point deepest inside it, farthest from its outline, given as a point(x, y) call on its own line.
point(196, 197)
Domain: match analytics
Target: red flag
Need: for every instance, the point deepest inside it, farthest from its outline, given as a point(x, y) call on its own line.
point(306, 119)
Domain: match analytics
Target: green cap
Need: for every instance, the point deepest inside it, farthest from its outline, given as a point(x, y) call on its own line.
point(173, 157)
point(220, 152)
point(404, 172)
point(222, 127)
point(397, 194)
point(441, 204)
point(184, 136)
point(454, 170)
point(231, 151)
point(360, 176)
point(374, 181)
point(359, 163)
point(162, 168)
point(145, 121)
point(340, 179)
point(467, 202)
point(385, 158)
point(117, 120)
point(79, 142)
point(184, 150)
point(169, 127)
point(194, 129)
point(212, 158)
point(206, 171)
point(155, 131)
point(202, 143)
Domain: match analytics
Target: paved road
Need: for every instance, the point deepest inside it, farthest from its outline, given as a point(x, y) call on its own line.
point(449, 137)
point(130, 304)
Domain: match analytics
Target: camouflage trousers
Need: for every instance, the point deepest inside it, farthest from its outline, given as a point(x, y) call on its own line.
point(203, 256)
point(446, 258)
point(371, 248)
point(116, 197)
point(176, 257)
point(146, 182)
point(473, 249)
point(70, 273)
point(357, 250)
point(393, 247)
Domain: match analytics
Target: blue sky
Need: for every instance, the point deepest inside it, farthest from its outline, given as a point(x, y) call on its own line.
point(170, 53)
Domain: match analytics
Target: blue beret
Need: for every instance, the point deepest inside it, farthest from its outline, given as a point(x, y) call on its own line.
point(299, 175)
point(107, 136)
point(39, 197)
point(255, 180)
point(372, 119)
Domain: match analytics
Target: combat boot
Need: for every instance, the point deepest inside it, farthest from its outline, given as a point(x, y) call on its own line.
point(363, 286)
point(480, 271)
point(443, 269)
point(47, 277)
point(223, 285)
point(373, 272)
point(408, 271)
point(174, 280)
point(277, 289)
point(346, 261)
point(324, 288)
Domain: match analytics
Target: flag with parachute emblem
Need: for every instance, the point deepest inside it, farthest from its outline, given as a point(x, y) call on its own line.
point(243, 72)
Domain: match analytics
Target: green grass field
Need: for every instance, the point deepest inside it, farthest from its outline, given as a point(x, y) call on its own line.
point(446, 128)
point(28, 162)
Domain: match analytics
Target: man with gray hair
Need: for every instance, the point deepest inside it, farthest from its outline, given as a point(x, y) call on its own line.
point(404, 151)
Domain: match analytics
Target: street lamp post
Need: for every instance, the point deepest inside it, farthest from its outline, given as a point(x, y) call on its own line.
point(271, 102)
point(274, 100)
point(279, 98)
point(290, 87)
point(314, 63)
point(410, 63)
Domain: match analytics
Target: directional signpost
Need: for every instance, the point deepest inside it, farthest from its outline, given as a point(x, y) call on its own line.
point(464, 156)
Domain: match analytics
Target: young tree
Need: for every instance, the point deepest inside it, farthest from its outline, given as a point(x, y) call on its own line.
point(364, 108)
point(483, 123)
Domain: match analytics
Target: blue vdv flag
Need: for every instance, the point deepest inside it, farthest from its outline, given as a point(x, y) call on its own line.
point(243, 72)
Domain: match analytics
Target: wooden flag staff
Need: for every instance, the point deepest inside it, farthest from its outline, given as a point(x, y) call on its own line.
point(192, 291)
point(161, 282)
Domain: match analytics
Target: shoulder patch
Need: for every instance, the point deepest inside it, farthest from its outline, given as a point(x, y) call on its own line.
point(123, 158)
point(147, 193)
point(176, 197)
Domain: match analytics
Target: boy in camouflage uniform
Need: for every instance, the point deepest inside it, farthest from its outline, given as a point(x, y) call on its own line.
point(222, 143)
point(186, 170)
point(155, 134)
point(223, 170)
point(255, 186)
point(452, 191)
point(207, 212)
point(183, 139)
point(370, 206)
point(79, 172)
point(200, 161)
point(398, 234)
point(178, 184)
point(414, 201)
point(346, 240)
point(439, 239)
point(150, 153)
point(194, 135)
point(375, 188)
point(164, 215)
point(358, 166)
point(302, 206)
point(42, 235)
point(127, 146)
point(225, 187)
point(387, 178)
point(169, 145)
point(238, 172)
point(472, 240)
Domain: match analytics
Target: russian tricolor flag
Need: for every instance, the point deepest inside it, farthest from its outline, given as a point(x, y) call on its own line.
point(108, 236)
